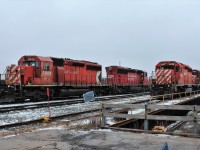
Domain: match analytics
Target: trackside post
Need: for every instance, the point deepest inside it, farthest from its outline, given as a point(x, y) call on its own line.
point(103, 119)
point(48, 95)
point(195, 124)
point(146, 122)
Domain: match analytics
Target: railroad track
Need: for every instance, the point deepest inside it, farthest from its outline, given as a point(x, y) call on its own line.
point(4, 109)
point(39, 105)
point(101, 98)
point(78, 112)
point(52, 118)
point(75, 98)
point(66, 116)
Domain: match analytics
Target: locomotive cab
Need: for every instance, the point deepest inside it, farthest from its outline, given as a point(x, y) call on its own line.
point(29, 65)
point(35, 70)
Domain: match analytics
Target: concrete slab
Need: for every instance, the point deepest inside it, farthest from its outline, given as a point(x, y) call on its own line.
point(64, 139)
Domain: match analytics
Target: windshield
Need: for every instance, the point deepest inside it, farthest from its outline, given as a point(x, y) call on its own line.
point(30, 63)
point(165, 67)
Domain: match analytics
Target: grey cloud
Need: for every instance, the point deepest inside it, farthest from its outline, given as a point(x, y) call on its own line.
point(137, 33)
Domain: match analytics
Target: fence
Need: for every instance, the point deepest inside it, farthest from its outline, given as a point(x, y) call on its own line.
point(146, 116)
point(172, 95)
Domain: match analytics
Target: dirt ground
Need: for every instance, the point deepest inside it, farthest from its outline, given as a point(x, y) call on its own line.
point(64, 139)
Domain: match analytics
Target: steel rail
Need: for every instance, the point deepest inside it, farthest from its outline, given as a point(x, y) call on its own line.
point(53, 118)
point(64, 102)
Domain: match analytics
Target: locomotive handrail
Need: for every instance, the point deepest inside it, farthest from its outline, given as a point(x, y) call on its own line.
point(173, 94)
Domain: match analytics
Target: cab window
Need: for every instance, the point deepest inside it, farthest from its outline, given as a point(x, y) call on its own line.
point(46, 66)
point(26, 64)
point(145, 74)
point(178, 69)
point(32, 64)
point(37, 65)
point(157, 68)
point(168, 67)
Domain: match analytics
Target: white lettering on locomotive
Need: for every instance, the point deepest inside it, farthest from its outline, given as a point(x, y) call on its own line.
point(110, 76)
point(48, 73)
point(131, 77)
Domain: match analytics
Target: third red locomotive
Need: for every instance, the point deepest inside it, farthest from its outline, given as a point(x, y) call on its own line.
point(174, 77)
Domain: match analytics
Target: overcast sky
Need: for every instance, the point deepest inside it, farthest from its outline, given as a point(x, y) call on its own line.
point(136, 33)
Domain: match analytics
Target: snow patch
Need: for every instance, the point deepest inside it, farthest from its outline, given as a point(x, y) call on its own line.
point(52, 128)
point(8, 136)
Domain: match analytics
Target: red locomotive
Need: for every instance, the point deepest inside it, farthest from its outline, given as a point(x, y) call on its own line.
point(66, 77)
point(126, 79)
point(125, 76)
point(37, 70)
point(2, 87)
point(172, 76)
point(195, 76)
